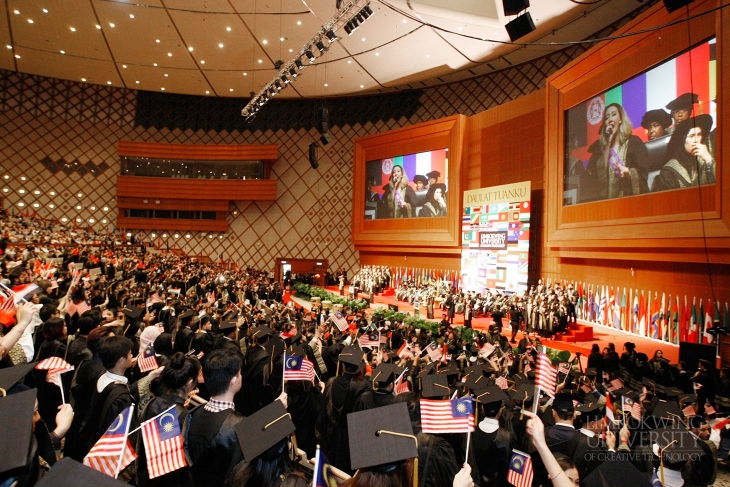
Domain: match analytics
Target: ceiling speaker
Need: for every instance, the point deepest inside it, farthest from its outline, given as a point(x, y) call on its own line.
point(673, 5)
point(325, 139)
point(324, 120)
point(313, 155)
point(514, 7)
point(520, 27)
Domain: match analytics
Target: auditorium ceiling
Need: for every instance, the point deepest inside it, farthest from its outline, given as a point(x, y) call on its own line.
point(229, 48)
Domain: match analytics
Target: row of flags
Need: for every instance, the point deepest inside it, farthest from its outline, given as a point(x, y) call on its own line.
point(162, 438)
point(423, 276)
point(662, 317)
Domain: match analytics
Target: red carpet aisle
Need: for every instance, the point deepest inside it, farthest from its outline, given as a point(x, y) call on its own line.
point(602, 335)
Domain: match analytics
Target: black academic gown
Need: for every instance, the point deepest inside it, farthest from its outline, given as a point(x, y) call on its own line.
point(213, 446)
point(437, 464)
point(261, 381)
point(490, 457)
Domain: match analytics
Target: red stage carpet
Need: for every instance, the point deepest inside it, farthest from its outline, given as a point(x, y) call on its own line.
point(601, 335)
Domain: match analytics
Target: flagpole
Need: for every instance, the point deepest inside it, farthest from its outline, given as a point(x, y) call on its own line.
point(151, 419)
point(124, 445)
point(13, 293)
point(283, 371)
point(468, 440)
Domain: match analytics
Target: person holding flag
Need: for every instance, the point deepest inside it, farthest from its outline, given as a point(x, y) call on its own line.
point(113, 452)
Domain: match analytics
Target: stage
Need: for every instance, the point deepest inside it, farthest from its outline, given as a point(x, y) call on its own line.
point(601, 335)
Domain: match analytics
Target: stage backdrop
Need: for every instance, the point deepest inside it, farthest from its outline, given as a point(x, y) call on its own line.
point(495, 238)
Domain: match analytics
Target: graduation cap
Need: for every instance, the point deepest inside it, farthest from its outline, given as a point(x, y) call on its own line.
point(476, 379)
point(187, 314)
point(659, 116)
point(489, 394)
point(70, 473)
point(452, 369)
point(591, 372)
point(591, 410)
point(262, 331)
point(667, 410)
point(351, 355)
point(673, 392)
point(263, 429)
point(131, 312)
point(16, 431)
point(435, 385)
point(427, 370)
point(421, 178)
point(433, 175)
point(521, 378)
point(10, 376)
point(619, 472)
point(687, 398)
point(297, 351)
point(383, 375)
point(381, 436)
point(678, 444)
point(564, 402)
point(228, 326)
point(524, 392)
point(683, 102)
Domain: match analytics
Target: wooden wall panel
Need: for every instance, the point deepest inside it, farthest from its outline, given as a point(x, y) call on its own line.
point(173, 204)
point(303, 266)
point(197, 189)
point(209, 152)
point(691, 225)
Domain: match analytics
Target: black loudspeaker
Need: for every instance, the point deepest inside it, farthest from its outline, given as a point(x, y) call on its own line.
point(673, 5)
point(324, 120)
point(691, 353)
point(392, 307)
point(520, 27)
point(325, 139)
point(514, 7)
point(313, 155)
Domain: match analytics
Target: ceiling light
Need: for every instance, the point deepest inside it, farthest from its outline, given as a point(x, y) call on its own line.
point(231, 89)
point(363, 39)
point(190, 48)
point(17, 56)
point(51, 206)
point(207, 92)
point(108, 82)
point(405, 21)
point(220, 45)
point(245, 74)
point(163, 88)
point(260, 61)
point(326, 85)
point(16, 12)
point(322, 48)
point(83, 79)
point(30, 21)
point(264, 42)
point(169, 54)
point(228, 29)
point(157, 41)
point(349, 61)
point(154, 64)
point(72, 29)
point(362, 86)
point(377, 54)
point(310, 56)
point(136, 82)
point(291, 50)
point(282, 39)
point(21, 191)
point(63, 52)
point(165, 75)
point(299, 22)
point(202, 61)
point(98, 26)
point(131, 16)
point(64, 219)
point(36, 192)
point(9, 46)
point(124, 66)
point(21, 204)
point(111, 24)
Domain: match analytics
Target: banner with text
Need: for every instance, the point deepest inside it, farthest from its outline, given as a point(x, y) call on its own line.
point(495, 238)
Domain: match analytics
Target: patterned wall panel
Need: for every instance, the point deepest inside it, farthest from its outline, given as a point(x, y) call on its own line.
point(47, 123)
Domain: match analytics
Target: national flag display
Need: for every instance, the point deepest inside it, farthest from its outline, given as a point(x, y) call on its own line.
point(7, 310)
point(502, 383)
point(447, 416)
point(148, 360)
point(434, 351)
point(546, 376)
point(298, 368)
point(113, 451)
point(323, 476)
point(339, 321)
point(520, 469)
point(24, 292)
point(402, 386)
point(163, 444)
point(371, 340)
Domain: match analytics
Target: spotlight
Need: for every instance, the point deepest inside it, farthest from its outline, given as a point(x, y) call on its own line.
point(332, 36)
point(359, 18)
point(293, 72)
point(278, 85)
point(273, 91)
point(285, 79)
point(365, 14)
point(367, 10)
point(520, 26)
point(673, 5)
point(355, 24)
point(322, 48)
point(300, 65)
point(348, 28)
point(310, 56)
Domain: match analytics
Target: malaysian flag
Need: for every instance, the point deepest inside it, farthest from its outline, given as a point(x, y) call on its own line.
point(340, 321)
point(163, 444)
point(24, 292)
point(632, 407)
point(404, 351)
point(402, 386)
point(7, 310)
point(447, 416)
point(55, 367)
point(615, 385)
point(520, 469)
point(434, 351)
point(636, 410)
point(323, 475)
point(148, 360)
point(113, 452)
point(546, 376)
point(297, 368)
point(564, 368)
point(502, 383)
point(79, 309)
point(371, 340)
